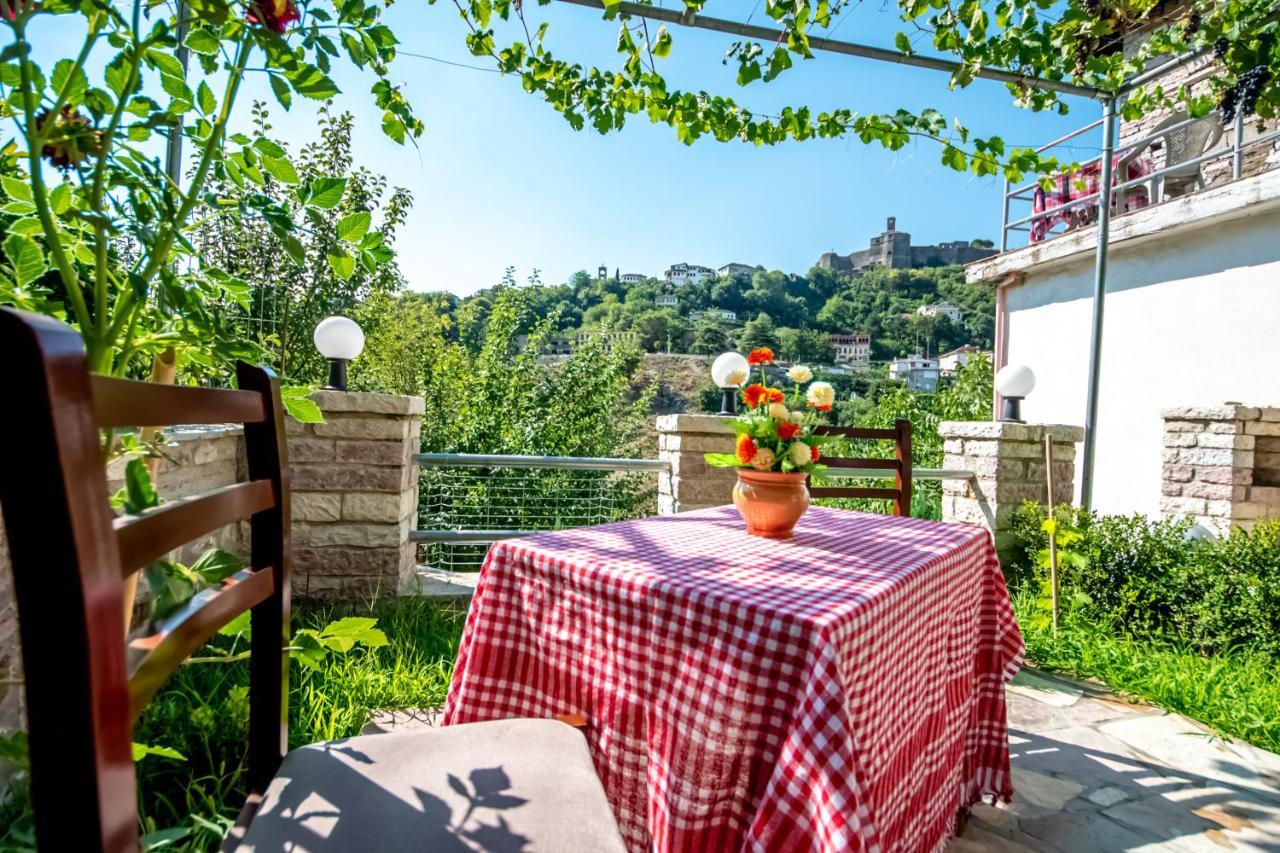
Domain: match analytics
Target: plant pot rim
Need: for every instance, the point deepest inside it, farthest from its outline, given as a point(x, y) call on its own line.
point(784, 476)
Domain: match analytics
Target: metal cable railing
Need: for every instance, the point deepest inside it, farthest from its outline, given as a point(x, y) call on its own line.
point(468, 501)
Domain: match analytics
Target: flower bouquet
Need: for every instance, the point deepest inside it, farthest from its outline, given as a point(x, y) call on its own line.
point(776, 449)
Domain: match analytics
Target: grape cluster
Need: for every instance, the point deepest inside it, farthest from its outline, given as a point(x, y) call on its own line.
point(1191, 25)
point(1243, 96)
point(1220, 48)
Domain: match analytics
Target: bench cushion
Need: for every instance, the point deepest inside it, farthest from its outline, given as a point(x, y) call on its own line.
point(500, 785)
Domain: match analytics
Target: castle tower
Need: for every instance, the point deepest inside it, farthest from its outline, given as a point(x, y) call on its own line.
point(892, 226)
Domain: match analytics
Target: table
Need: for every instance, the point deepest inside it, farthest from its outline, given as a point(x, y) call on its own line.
point(1060, 204)
point(842, 690)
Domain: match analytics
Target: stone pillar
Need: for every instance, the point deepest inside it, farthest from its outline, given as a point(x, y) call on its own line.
point(692, 483)
point(1221, 465)
point(1007, 461)
point(355, 496)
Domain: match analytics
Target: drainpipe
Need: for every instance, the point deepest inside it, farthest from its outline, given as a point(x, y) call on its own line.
point(1099, 301)
point(1002, 334)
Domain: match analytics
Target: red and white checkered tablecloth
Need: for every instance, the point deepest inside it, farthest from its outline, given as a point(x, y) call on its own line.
point(842, 690)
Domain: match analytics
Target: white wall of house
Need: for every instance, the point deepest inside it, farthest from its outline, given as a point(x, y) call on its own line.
point(1192, 317)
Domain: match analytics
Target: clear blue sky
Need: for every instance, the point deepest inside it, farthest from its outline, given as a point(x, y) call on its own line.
point(499, 178)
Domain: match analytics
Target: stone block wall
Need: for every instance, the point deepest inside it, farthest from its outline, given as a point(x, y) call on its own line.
point(692, 483)
point(355, 496)
point(1008, 465)
point(1221, 465)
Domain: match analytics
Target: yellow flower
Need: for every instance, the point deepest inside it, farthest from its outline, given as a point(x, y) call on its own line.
point(799, 453)
point(821, 394)
point(763, 460)
point(799, 373)
point(779, 411)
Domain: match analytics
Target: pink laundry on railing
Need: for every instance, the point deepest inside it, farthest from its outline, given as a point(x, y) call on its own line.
point(1060, 204)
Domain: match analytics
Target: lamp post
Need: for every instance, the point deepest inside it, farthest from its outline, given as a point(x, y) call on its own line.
point(1013, 382)
point(729, 371)
point(340, 340)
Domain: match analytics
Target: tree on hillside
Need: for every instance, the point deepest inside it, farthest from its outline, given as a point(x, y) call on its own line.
point(710, 337)
point(758, 332)
point(656, 328)
point(807, 345)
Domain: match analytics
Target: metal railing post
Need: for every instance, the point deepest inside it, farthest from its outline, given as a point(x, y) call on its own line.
point(1099, 301)
point(1237, 147)
point(1004, 219)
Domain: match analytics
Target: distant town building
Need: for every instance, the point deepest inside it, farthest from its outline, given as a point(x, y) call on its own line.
point(611, 340)
point(941, 309)
point(666, 300)
point(949, 362)
point(730, 270)
point(632, 277)
point(920, 373)
point(851, 348)
point(893, 249)
point(602, 272)
point(688, 274)
point(714, 314)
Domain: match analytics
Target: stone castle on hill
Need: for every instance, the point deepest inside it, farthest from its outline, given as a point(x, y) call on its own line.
point(893, 249)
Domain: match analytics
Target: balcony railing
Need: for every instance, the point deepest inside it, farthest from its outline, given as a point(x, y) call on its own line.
point(1018, 215)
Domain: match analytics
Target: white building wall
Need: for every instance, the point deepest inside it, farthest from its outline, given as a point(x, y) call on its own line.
point(1192, 317)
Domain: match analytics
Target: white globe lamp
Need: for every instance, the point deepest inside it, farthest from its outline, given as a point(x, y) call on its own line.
point(339, 339)
point(729, 371)
point(1014, 382)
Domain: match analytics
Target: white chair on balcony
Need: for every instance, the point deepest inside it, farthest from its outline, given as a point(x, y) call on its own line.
point(1182, 146)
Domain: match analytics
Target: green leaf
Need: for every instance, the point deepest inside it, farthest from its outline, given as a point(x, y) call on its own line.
point(311, 82)
point(342, 635)
point(903, 44)
point(268, 148)
point(308, 649)
point(66, 76)
point(205, 99)
point(342, 264)
point(293, 247)
point(16, 189)
point(238, 625)
point(60, 198)
point(325, 193)
point(215, 565)
point(352, 228)
point(163, 838)
point(14, 749)
point(142, 750)
point(661, 42)
point(281, 170)
point(30, 226)
point(26, 257)
point(281, 90)
point(299, 405)
point(721, 460)
point(139, 492)
point(18, 208)
point(203, 41)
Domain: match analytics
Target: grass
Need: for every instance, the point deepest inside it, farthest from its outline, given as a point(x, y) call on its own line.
point(202, 714)
point(1236, 693)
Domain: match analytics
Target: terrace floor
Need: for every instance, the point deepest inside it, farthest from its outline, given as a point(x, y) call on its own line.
point(1094, 772)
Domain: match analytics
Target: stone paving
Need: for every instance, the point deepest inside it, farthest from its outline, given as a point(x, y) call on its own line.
point(1093, 772)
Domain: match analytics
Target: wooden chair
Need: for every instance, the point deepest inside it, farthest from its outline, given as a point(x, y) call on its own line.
point(900, 465)
point(86, 685)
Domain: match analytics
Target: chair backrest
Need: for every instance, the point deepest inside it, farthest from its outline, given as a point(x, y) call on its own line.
point(900, 465)
point(86, 684)
point(1189, 142)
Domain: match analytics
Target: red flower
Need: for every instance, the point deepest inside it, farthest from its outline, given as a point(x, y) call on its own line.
point(273, 14)
point(70, 139)
point(813, 452)
point(788, 430)
point(753, 394)
point(824, 407)
point(746, 449)
point(775, 396)
point(763, 355)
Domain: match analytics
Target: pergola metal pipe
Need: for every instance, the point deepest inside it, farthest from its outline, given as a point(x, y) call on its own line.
point(1108, 99)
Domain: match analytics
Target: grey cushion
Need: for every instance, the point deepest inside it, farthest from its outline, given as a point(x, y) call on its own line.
point(506, 785)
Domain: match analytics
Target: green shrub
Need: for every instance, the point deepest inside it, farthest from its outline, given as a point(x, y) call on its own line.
point(1145, 578)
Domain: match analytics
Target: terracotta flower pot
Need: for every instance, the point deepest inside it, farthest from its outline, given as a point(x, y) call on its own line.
point(770, 502)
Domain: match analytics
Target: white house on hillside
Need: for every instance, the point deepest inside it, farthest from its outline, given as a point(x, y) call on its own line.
point(730, 270)
point(920, 373)
point(632, 277)
point(949, 362)
point(851, 347)
point(941, 309)
point(688, 274)
point(667, 300)
point(715, 314)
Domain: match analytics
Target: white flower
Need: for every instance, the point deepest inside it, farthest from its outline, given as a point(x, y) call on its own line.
point(779, 411)
point(799, 373)
point(797, 417)
point(736, 378)
point(800, 454)
point(821, 394)
point(763, 460)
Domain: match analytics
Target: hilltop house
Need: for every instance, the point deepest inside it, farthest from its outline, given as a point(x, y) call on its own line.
point(920, 373)
point(715, 314)
point(666, 299)
point(1191, 286)
point(851, 347)
point(632, 277)
point(893, 249)
point(679, 274)
point(949, 362)
point(730, 270)
point(940, 309)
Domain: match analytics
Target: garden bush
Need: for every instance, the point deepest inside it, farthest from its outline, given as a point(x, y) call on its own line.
point(1147, 578)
